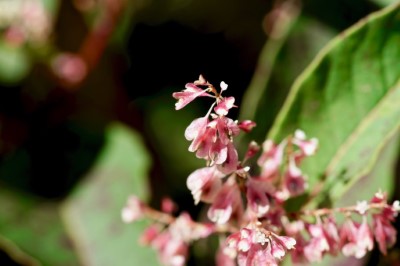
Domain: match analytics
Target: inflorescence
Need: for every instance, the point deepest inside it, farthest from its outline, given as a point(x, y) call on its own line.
point(248, 211)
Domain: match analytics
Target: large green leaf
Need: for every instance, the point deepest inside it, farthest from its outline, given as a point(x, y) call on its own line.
point(26, 221)
point(92, 213)
point(349, 99)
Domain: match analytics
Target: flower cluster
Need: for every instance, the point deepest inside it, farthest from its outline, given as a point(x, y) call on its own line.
point(170, 236)
point(248, 210)
point(17, 18)
point(354, 237)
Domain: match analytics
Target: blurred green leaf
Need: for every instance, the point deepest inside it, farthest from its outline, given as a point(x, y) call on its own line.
point(14, 64)
point(92, 213)
point(27, 221)
point(51, 6)
point(348, 98)
point(15, 254)
point(384, 3)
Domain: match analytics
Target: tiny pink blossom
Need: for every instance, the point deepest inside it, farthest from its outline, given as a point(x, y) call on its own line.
point(379, 197)
point(223, 259)
point(308, 147)
point(294, 181)
point(356, 239)
point(231, 162)
point(195, 130)
point(172, 251)
point(246, 125)
point(362, 207)
point(271, 159)
point(133, 210)
point(224, 105)
point(331, 234)
point(227, 203)
point(185, 229)
point(168, 205)
point(359, 243)
point(318, 244)
point(258, 246)
point(149, 234)
point(223, 86)
point(252, 150)
point(385, 233)
point(201, 81)
point(188, 95)
point(227, 129)
point(204, 184)
point(259, 193)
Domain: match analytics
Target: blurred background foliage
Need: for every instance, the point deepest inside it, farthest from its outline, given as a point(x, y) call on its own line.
point(87, 117)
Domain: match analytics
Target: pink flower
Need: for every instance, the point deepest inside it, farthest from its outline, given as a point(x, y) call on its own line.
point(171, 251)
point(385, 233)
point(271, 159)
point(212, 141)
point(356, 239)
point(246, 125)
point(223, 259)
point(227, 129)
point(172, 244)
point(133, 211)
point(188, 95)
point(149, 234)
point(252, 150)
point(231, 162)
point(379, 197)
point(331, 234)
point(224, 105)
point(184, 228)
point(204, 184)
point(294, 182)
point(259, 195)
point(258, 246)
point(318, 244)
point(168, 205)
point(227, 203)
point(308, 147)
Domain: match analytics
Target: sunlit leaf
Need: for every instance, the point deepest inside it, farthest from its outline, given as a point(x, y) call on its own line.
point(93, 211)
point(349, 99)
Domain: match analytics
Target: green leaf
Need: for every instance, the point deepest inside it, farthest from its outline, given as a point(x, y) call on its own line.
point(14, 64)
point(26, 220)
point(15, 253)
point(51, 6)
point(349, 99)
point(93, 211)
point(384, 3)
point(382, 177)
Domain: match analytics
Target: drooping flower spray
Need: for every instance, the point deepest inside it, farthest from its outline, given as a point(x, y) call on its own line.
point(248, 211)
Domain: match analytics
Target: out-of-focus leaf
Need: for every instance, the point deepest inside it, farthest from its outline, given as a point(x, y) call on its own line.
point(14, 64)
point(305, 40)
point(169, 140)
point(349, 99)
point(92, 213)
point(124, 27)
point(15, 254)
point(35, 226)
point(51, 6)
point(384, 3)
